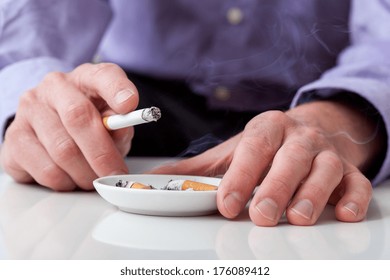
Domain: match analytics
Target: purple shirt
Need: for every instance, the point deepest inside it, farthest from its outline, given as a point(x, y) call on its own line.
point(241, 54)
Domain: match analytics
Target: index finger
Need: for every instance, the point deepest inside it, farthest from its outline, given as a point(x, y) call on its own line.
point(260, 141)
point(107, 81)
point(82, 121)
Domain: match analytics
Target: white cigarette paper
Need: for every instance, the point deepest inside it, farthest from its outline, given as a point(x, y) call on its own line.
point(134, 118)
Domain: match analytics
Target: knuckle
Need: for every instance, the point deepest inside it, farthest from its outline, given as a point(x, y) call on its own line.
point(54, 78)
point(8, 164)
point(253, 144)
point(266, 130)
point(66, 149)
point(79, 115)
point(248, 177)
point(311, 137)
point(299, 153)
point(281, 186)
point(275, 116)
point(103, 73)
point(12, 132)
point(53, 177)
point(261, 144)
point(365, 189)
point(110, 85)
point(15, 138)
point(102, 158)
point(333, 161)
point(102, 69)
point(28, 98)
point(318, 191)
point(294, 159)
point(269, 117)
point(83, 67)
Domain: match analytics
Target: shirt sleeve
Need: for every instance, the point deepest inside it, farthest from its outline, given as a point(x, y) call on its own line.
point(363, 68)
point(40, 36)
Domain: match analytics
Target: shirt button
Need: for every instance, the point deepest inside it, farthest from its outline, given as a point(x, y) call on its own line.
point(222, 93)
point(96, 59)
point(234, 15)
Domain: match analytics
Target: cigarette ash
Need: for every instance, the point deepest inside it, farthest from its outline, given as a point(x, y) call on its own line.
point(120, 184)
point(151, 114)
point(175, 185)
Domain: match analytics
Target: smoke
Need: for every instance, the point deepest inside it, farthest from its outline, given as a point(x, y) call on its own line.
point(200, 145)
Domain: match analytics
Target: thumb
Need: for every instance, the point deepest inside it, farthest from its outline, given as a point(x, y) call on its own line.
point(212, 162)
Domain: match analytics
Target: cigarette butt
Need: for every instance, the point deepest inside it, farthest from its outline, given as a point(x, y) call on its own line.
point(196, 186)
point(189, 185)
point(136, 185)
point(132, 185)
point(133, 118)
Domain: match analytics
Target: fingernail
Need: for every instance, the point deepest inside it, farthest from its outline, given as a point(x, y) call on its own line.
point(123, 96)
point(268, 209)
point(233, 203)
point(303, 208)
point(352, 207)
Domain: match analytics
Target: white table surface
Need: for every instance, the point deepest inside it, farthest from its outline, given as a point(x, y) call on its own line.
point(36, 223)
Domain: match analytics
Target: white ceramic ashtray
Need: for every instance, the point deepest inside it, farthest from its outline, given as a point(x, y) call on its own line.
point(158, 201)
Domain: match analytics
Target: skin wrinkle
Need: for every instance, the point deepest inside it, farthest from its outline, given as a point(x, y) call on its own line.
point(284, 188)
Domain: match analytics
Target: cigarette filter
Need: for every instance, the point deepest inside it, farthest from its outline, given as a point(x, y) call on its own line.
point(134, 118)
point(136, 185)
point(183, 185)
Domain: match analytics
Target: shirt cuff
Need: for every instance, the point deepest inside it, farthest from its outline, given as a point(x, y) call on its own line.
point(17, 78)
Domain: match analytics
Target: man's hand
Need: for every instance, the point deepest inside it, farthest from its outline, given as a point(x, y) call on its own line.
point(301, 160)
point(58, 139)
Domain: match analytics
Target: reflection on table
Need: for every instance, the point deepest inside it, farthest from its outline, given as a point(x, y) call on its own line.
point(36, 223)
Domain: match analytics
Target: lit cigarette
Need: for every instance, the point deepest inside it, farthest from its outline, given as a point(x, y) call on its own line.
point(183, 185)
point(134, 118)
